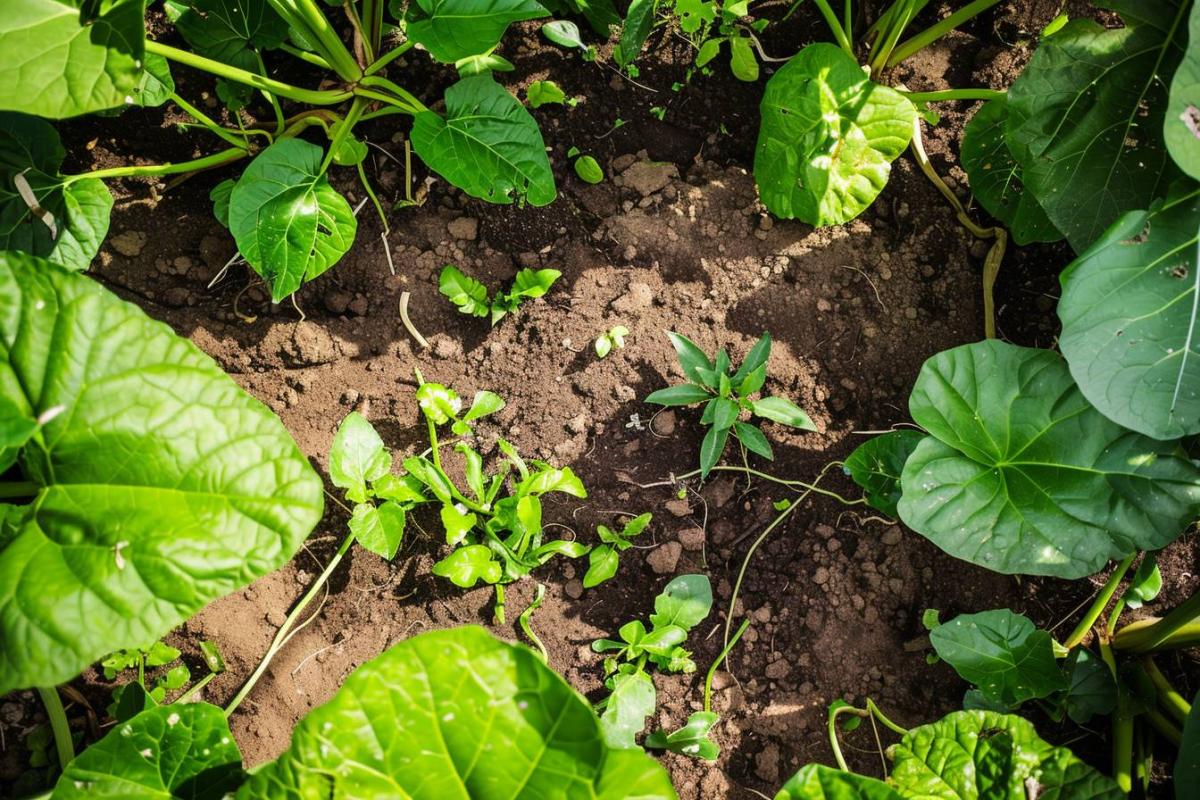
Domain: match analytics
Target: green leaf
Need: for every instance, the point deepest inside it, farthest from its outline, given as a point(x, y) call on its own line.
point(458, 523)
point(542, 93)
point(530, 283)
point(472, 470)
point(220, 195)
point(632, 700)
point(726, 413)
point(212, 657)
point(683, 395)
point(231, 31)
point(1146, 583)
point(404, 490)
point(978, 755)
point(73, 217)
point(1021, 475)
point(694, 14)
point(818, 782)
point(488, 145)
point(454, 29)
point(784, 411)
point(560, 547)
point(552, 480)
point(1187, 764)
point(995, 177)
point(483, 64)
point(752, 383)
point(180, 751)
point(600, 14)
point(483, 404)
point(742, 61)
point(709, 50)
point(588, 170)
point(438, 403)
point(711, 449)
point(163, 485)
point(289, 223)
point(690, 740)
point(602, 565)
point(684, 602)
point(155, 86)
point(691, 357)
point(1085, 118)
point(422, 706)
point(564, 33)
point(636, 525)
point(467, 565)
point(754, 439)
point(357, 456)
point(1002, 653)
point(70, 57)
point(876, 466)
point(1092, 690)
point(468, 294)
point(378, 529)
point(755, 361)
point(1181, 123)
point(1131, 327)
point(828, 137)
point(639, 20)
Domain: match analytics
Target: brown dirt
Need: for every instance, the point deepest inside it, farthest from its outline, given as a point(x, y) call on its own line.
point(674, 240)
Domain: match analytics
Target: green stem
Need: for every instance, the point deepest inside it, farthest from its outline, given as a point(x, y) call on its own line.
point(839, 33)
point(1099, 604)
point(15, 489)
point(195, 687)
point(155, 170)
point(58, 724)
point(366, 184)
point(712, 668)
point(304, 55)
point(1145, 636)
point(373, 23)
point(433, 443)
point(322, 97)
point(380, 82)
point(527, 615)
point(281, 636)
point(1171, 699)
point(280, 124)
point(1122, 726)
point(943, 95)
point(209, 123)
point(389, 57)
point(879, 715)
point(831, 727)
point(343, 131)
point(498, 608)
point(1169, 730)
point(938, 30)
point(887, 41)
point(324, 37)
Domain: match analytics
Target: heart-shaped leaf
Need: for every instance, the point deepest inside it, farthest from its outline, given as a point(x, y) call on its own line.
point(1020, 474)
point(468, 565)
point(828, 137)
point(378, 528)
point(162, 485)
point(455, 29)
point(357, 456)
point(684, 602)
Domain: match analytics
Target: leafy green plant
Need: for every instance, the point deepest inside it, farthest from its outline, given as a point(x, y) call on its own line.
point(614, 337)
point(604, 558)
point(727, 396)
point(682, 605)
point(706, 24)
point(289, 222)
point(471, 296)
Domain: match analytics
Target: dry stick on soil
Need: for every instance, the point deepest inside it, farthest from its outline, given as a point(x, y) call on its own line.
point(416, 334)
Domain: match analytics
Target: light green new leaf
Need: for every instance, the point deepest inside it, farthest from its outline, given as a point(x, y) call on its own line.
point(981, 755)
point(469, 564)
point(289, 223)
point(602, 565)
point(995, 177)
point(1181, 124)
point(783, 411)
point(1145, 584)
point(63, 58)
point(155, 85)
point(828, 137)
point(1086, 119)
point(742, 61)
point(468, 294)
point(1020, 474)
point(487, 145)
point(183, 750)
point(818, 782)
point(378, 529)
point(163, 485)
point(632, 700)
point(456, 714)
point(457, 523)
point(876, 466)
point(1001, 653)
point(542, 93)
point(690, 740)
point(684, 602)
point(78, 210)
point(589, 171)
point(551, 479)
point(1131, 323)
point(454, 29)
point(357, 456)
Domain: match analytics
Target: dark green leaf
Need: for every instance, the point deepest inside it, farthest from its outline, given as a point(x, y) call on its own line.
point(876, 466)
point(690, 740)
point(726, 413)
point(753, 439)
point(231, 31)
point(757, 358)
point(1146, 583)
point(1092, 689)
point(783, 411)
point(817, 782)
point(1187, 764)
point(454, 29)
point(691, 357)
point(711, 449)
point(357, 457)
point(639, 20)
point(220, 195)
point(684, 602)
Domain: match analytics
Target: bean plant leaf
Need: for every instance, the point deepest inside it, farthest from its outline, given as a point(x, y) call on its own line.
point(1086, 118)
point(64, 58)
point(487, 145)
point(455, 29)
point(690, 740)
point(456, 713)
point(183, 750)
point(1145, 584)
point(542, 93)
point(691, 357)
point(1187, 763)
point(468, 565)
point(1131, 323)
point(742, 62)
point(685, 394)
point(155, 85)
point(378, 528)
point(876, 466)
point(229, 31)
point(818, 782)
point(684, 602)
point(828, 137)
point(162, 485)
point(1181, 124)
point(1020, 474)
point(564, 33)
point(633, 699)
point(1001, 653)
point(1092, 690)
point(639, 20)
point(357, 456)
point(468, 294)
point(976, 755)
point(711, 448)
point(289, 223)
point(71, 217)
point(995, 177)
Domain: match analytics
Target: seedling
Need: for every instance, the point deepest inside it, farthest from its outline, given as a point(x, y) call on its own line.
point(727, 395)
point(135, 696)
point(605, 557)
point(612, 338)
point(471, 296)
point(542, 93)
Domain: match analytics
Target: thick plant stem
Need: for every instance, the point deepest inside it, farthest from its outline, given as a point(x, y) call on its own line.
point(1171, 699)
point(831, 728)
point(305, 15)
point(156, 170)
point(281, 636)
point(17, 489)
point(389, 57)
point(59, 725)
point(938, 30)
point(712, 669)
point(406, 97)
point(945, 95)
point(836, 27)
point(1146, 636)
point(1167, 729)
point(1099, 604)
point(1122, 726)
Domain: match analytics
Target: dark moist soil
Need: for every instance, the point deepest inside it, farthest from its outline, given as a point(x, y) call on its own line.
point(674, 239)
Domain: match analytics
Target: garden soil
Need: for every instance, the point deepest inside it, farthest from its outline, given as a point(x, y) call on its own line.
point(673, 239)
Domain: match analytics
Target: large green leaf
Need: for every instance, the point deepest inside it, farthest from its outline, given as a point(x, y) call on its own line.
point(78, 209)
point(984, 755)
point(1181, 124)
point(1086, 117)
point(876, 465)
point(63, 58)
point(1020, 474)
point(996, 177)
point(818, 782)
point(183, 750)
point(289, 223)
point(1131, 324)
point(454, 29)
point(828, 137)
point(456, 714)
point(487, 145)
point(161, 484)
point(1002, 653)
